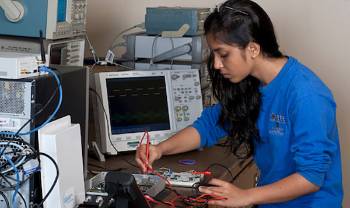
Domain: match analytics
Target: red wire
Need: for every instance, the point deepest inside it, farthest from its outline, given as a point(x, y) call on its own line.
point(147, 146)
point(212, 197)
point(172, 202)
point(158, 202)
point(150, 199)
point(146, 163)
point(148, 142)
point(201, 172)
point(143, 136)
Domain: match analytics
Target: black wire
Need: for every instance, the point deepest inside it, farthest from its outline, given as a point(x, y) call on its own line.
point(5, 199)
point(241, 171)
point(195, 186)
point(106, 116)
point(54, 182)
point(7, 137)
point(195, 189)
point(24, 201)
point(3, 150)
point(42, 49)
point(29, 145)
point(12, 187)
point(8, 177)
point(16, 157)
point(104, 168)
point(4, 177)
point(233, 178)
point(43, 108)
point(130, 163)
point(47, 102)
point(21, 183)
point(97, 166)
point(39, 111)
point(172, 190)
point(32, 118)
point(17, 138)
point(194, 204)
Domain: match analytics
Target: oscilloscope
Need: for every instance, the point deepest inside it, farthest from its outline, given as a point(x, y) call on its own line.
point(160, 102)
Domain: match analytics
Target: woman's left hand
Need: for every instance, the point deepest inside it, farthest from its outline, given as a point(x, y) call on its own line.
point(234, 197)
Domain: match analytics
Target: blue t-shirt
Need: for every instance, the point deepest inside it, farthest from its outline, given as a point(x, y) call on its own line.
point(298, 134)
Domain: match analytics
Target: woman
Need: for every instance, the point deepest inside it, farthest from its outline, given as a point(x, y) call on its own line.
point(271, 104)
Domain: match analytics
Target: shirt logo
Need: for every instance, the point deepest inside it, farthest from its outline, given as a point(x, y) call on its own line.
point(279, 122)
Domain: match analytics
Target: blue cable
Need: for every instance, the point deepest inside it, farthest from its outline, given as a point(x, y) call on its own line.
point(3, 151)
point(17, 181)
point(45, 69)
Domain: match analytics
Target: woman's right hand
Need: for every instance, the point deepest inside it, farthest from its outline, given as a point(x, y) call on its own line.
point(141, 158)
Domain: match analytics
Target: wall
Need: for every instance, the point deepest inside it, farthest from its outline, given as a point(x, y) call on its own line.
point(317, 32)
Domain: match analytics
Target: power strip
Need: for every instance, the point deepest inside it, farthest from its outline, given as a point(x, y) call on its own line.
point(184, 179)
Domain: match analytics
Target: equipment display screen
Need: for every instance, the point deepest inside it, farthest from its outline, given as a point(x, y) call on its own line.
point(137, 104)
point(58, 54)
point(61, 10)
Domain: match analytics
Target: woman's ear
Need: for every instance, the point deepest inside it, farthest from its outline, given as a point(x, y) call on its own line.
point(253, 49)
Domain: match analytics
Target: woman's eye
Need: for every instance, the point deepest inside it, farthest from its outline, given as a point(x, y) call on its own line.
point(223, 56)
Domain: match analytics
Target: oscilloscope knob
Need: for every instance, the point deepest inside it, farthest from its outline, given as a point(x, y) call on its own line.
point(13, 10)
point(174, 76)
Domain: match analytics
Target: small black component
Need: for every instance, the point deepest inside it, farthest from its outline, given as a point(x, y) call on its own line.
point(89, 205)
point(123, 189)
point(205, 180)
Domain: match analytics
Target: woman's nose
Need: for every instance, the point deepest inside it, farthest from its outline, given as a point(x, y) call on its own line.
point(217, 63)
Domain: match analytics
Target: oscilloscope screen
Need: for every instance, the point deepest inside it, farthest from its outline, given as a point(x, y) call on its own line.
point(137, 104)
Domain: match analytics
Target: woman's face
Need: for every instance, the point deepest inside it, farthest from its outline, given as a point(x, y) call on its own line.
point(231, 61)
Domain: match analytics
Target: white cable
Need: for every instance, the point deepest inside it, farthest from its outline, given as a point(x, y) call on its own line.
point(141, 25)
point(172, 47)
point(155, 39)
point(92, 50)
point(110, 54)
point(154, 44)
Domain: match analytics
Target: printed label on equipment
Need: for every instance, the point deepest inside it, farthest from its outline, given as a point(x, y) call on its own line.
point(10, 123)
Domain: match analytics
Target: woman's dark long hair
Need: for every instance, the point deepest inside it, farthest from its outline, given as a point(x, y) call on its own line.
point(237, 23)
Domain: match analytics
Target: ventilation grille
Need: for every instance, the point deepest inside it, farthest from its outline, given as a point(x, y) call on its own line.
point(12, 97)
